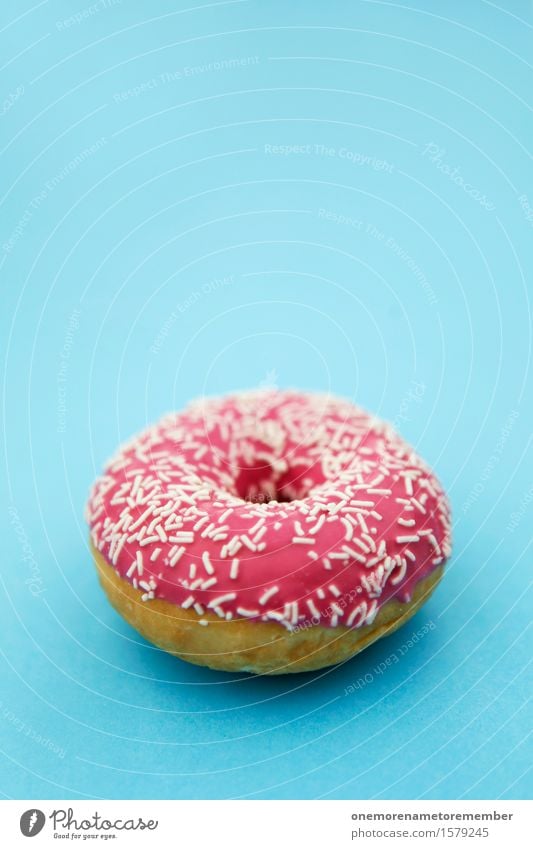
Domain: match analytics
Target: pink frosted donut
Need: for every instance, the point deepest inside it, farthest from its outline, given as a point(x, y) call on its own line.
point(268, 531)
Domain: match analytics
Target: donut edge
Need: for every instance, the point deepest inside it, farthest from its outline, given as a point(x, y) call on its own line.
point(241, 645)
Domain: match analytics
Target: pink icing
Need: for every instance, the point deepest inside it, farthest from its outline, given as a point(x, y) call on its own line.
point(276, 506)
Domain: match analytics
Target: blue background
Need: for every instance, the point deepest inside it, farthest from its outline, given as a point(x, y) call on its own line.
point(155, 245)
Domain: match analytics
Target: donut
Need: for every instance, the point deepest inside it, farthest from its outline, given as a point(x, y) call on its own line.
point(268, 531)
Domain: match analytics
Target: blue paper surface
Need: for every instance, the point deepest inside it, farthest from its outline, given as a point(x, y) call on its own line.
point(331, 196)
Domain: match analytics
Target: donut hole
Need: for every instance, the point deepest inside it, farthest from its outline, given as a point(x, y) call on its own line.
point(262, 484)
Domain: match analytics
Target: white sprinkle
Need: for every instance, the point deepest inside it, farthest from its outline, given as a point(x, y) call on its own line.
point(313, 608)
point(408, 553)
point(207, 563)
point(175, 557)
point(349, 529)
point(216, 602)
point(260, 533)
point(304, 540)
point(274, 614)
point(118, 548)
point(371, 614)
point(372, 562)
point(199, 609)
point(161, 533)
point(337, 608)
point(320, 593)
point(182, 536)
point(132, 569)
point(245, 611)
point(399, 575)
point(433, 542)
point(360, 611)
point(203, 622)
point(188, 602)
point(408, 537)
point(209, 583)
point(234, 546)
point(370, 541)
point(140, 567)
point(351, 552)
point(407, 523)
point(316, 527)
point(248, 543)
point(268, 594)
point(234, 570)
point(206, 531)
point(257, 526)
point(335, 590)
point(136, 484)
point(418, 505)
point(141, 519)
point(291, 612)
point(155, 554)
point(200, 522)
point(192, 571)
